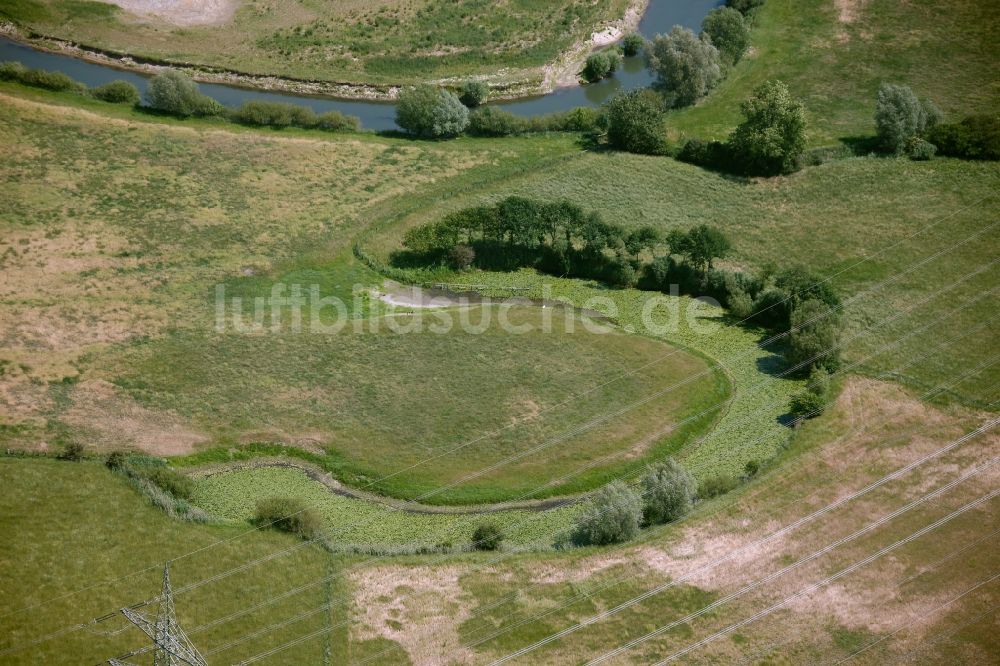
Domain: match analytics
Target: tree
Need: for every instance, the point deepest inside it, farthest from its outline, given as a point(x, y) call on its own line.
point(686, 67)
point(773, 135)
point(729, 33)
point(635, 122)
point(612, 515)
point(744, 6)
point(461, 257)
point(900, 117)
point(431, 113)
point(644, 238)
point(701, 245)
point(487, 536)
point(600, 65)
point(175, 92)
point(815, 334)
point(632, 44)
point(117, 92)
point(806, 405)
point(474, 93)
point(669, 492)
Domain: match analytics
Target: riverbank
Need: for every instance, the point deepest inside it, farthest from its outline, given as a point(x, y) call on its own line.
point(505, 85)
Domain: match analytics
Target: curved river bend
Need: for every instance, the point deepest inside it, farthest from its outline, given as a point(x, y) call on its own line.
point(659, 17)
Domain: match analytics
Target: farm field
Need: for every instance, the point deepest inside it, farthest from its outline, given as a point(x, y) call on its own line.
point(738, 413)
point(385, 43)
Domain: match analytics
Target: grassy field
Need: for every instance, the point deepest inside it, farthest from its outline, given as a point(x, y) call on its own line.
point(387, 42)
point(382, 403)
point(834, 56)
point(60, 513)
point(829, 218)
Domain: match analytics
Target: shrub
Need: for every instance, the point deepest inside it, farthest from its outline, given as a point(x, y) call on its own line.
point(708, 154)
point(600, 65)
point(920, 150)
point(491, 121)
point(814, 337)
point(288, 514)
point(431, 113)
point(487, 537)
point(612, 516)
point(176, 93)
point(73, 451)
point(170, 480)
point(900, 117)
point(720, 484)
point(669, 492)
point(337, 121)
point(740, 305)
point(819, 382)
point(751, 469)
point(744, 6)
point(686, 67)
point(273, 114)
point(773, 134)
point(635, 122)
point(39, 78)
point(807, 405)
point(632, 44)
point(474, 93)
point(117, 92)
point(116, 460)
point(729, 33)
point(461, 257)
point(976, 137)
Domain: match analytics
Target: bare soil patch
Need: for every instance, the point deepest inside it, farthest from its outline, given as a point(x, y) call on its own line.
point(182, 12)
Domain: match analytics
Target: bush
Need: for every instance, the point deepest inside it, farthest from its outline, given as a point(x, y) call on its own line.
point(920, 150)
point(612, 516)
point(176, 93)
point(819, 382)
point(744, 6)
point(729, 33)
point(288, 514)
point(686, 67)
point(117, 92)
point(272, 114)
point(976, 138)
point(461, 257)
point(773, 135)
point(807, 405)
point(116, 460)
point(900, 117)
point(635, 122)
point(474, 93)
point(337, 121)
point(720, 484)
point(669, 492)
point(600, 65)
point(751, 469)
point(431, 113)
point(814, 337)
point(170, 480)
point(740, 305)
point(487, 537)
point(708, 154)
point(73, 451)
point(491, 121)
point(632, 45)
point(39, 78)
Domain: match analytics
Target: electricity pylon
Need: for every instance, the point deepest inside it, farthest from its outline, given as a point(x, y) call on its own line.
point(171, 646)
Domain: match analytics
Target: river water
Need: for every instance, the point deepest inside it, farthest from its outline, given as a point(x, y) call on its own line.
point(659, 18)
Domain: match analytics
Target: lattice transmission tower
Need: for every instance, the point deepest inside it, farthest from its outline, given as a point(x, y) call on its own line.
point(171, 646)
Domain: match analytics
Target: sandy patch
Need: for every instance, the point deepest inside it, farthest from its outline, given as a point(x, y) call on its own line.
point(182, 12)
point(420, 608)
point(117, 421)
point(848, 10)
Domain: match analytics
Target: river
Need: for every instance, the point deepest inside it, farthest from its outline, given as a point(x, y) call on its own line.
point(659, 17)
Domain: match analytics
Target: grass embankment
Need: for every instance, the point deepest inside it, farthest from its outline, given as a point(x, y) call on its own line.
point(828, 218)
point(69, 526)
point(389, 43)
point(834, 56)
